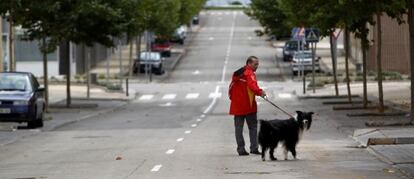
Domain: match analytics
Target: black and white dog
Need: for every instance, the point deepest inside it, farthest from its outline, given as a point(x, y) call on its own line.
point(287, 132)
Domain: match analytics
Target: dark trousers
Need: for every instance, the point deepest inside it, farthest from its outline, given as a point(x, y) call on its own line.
point(251, 120)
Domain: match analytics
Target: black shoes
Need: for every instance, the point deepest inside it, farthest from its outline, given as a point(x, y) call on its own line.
point(243, 153)
point(255, 152)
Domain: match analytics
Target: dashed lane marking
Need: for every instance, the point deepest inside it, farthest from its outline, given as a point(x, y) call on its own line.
point(146, 97)
point(180, 139)
point(156, 168)
point(169, 96)
point(199, 120)
point(214, 95)
point(192, 96)
point(187, 132)
point(194, 125)
point(285, 95)
point(170, 151)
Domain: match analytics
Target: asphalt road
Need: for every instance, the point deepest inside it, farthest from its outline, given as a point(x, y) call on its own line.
point(180, 128)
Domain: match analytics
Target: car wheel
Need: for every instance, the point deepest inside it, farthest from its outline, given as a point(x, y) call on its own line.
point(295, 73)
point(168, 54)
point(37, 121)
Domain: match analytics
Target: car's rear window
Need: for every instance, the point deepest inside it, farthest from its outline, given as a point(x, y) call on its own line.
point(14, 82)
point(153, 56)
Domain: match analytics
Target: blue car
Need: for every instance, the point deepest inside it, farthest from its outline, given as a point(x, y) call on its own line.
point(21, 99)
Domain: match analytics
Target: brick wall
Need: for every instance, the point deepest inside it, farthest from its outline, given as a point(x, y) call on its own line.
point(395, 47)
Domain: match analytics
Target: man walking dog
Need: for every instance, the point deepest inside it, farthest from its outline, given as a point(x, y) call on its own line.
point(243, 90)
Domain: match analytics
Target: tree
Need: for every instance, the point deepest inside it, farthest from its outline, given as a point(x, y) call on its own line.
point(270, 15)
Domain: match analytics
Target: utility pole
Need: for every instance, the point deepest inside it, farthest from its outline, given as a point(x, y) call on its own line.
point(1, 45)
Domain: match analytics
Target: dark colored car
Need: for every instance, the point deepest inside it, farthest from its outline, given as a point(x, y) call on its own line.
point(149, 61)
point(196, 20)
point(163, 46)
point(179, 35)
point(290, 48)
point(21, 99)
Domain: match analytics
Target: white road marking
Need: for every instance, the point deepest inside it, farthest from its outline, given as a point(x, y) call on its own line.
point(171, 151)
point(167, 104)
point(199, 120)
point(227, 13)
point(212, 102)
point(192, 96)
point(203, 116)
point(169, 96)
point(197, 72)
point(146, 97)
point(285, 95)
point(219, 13)
point(156, 168)
point(214, 95)
point(211, 38)
point(180, 139)
point(187, 132)
point(194, 125)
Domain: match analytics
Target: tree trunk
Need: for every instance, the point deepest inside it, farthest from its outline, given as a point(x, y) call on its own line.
point(12, 62)
point(379, 65)
point(332, 42)
point(348, 85)
point(68, 96)
point(45, 76)
point(131, 48)
point(411, 29)
point(1, 45)
point(364, 46)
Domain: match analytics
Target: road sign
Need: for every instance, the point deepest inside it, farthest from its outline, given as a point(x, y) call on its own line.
point(298, 33)
point(312, 35)
point(308, 34)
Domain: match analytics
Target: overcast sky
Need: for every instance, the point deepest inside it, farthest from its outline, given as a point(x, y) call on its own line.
point(225, 2)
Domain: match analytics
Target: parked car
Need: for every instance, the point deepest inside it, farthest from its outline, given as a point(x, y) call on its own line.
point(149, 61)
point(290, 48)
point(21, 99)
point(179, 35)
point(162, 45)
point(196, 20)
point(305, 59)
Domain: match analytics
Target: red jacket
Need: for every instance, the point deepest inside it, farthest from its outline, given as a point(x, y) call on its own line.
point(242, 91)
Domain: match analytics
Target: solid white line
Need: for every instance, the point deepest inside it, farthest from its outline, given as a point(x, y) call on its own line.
point(180, 139)
point(192, 96)
point(212, 102)
point(156, 168)
point(187, 132)
point(194, 125)
point(171, 151)
point(169, 96)
point(146, 97)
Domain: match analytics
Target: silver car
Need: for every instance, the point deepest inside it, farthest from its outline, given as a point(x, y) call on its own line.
point(303, 60)
point(150, 62)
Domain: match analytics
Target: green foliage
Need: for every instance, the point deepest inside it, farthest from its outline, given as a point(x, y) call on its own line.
point(270, 15)
point(236, 3)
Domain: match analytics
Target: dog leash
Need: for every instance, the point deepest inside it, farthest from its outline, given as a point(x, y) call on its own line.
point(290, 115)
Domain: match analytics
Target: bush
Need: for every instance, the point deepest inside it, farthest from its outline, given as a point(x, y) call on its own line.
point(392, 76)
point(101, 76)
point(114, 86)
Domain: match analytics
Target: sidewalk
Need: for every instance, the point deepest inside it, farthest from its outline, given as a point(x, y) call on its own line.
point(390, 143)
